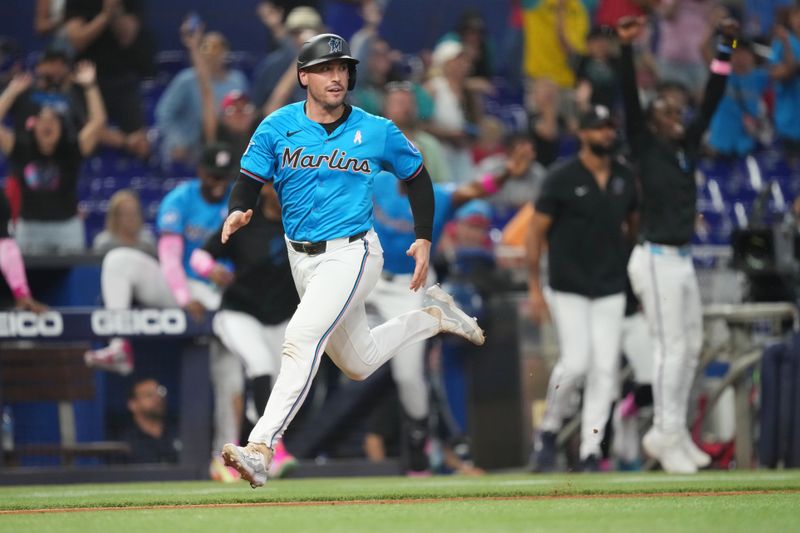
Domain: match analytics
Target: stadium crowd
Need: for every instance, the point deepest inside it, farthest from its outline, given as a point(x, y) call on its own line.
point(494, 119)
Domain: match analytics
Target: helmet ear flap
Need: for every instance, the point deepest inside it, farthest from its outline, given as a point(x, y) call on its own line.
point(351, 79)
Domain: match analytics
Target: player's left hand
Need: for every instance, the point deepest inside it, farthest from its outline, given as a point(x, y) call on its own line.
point(196, 310)
point(235, 220)
point(420, 250)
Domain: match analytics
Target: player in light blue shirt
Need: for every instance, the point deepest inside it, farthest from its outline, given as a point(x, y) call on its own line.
point(394, 221)
point(193, 211)
point(324, 179)
point(188, 215)
point(394, 225)
point(729, 133)
point(322, 156)
point(785, 54)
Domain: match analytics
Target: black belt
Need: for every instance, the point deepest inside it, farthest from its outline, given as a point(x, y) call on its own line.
point(316, 248)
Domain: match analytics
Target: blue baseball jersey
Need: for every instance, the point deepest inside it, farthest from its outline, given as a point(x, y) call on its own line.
point(394, 222)
point(184, 211)
point(787, 93)
point(324, 182)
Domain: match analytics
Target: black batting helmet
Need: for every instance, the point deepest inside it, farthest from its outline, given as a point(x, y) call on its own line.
point(323, 48)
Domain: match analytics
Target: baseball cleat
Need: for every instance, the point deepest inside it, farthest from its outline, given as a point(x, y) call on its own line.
point(700, 458)
point(116, 357)
point(416, 440)
point(590, 464)
point(668, 450)
point(545, 452)
point(452, 319)
point(248, 461)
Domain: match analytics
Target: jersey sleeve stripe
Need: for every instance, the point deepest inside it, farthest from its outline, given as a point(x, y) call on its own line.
point(254, 176)
point(415, 174)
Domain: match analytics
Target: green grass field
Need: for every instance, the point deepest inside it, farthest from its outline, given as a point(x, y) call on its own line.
point(735, 501)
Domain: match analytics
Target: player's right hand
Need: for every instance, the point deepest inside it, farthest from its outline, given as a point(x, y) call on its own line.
point(26, 303)
point(538, 306)
point(196, 311)
point(629, 29)
point(420, 250)
point(235, 220)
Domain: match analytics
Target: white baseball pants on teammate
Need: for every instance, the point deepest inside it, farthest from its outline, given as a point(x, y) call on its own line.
point(331, 318)
point(130, 275)
point(637, 345)
point(258, 345)
point(390, 297)
point(589, 333)
point(664, 279)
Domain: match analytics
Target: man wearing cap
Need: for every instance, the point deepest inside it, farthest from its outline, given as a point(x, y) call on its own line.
point(586, 209)
point(322, 155)
point(188, 215)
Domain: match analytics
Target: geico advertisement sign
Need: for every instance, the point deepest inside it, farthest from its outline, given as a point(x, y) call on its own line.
point(27, 324)
point(104, 322)
point(138, 322)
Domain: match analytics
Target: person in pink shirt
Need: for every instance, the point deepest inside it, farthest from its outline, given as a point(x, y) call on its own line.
point(683, 30)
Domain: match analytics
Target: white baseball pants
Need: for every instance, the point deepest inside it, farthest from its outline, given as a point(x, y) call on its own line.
point(637, 345)
point(129, 274)
point(331, 318)
point(257, 345)
point(589, 333)
point(663, 278)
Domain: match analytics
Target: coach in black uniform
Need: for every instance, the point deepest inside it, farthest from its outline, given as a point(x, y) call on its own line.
point(661, 269)
point(585, 207)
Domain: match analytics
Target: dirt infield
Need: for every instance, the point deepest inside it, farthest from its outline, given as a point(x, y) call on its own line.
point(321, 503)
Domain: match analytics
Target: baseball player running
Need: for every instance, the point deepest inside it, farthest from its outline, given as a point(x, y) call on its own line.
point(321, 156)
point(661, 269)
point(258, 301)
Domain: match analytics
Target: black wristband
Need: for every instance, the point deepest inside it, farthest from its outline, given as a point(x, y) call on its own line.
point(420, 196)
point(244, 194)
